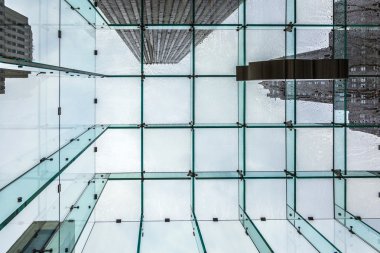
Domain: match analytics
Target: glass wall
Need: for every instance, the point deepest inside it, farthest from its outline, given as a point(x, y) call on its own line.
point(123, 128)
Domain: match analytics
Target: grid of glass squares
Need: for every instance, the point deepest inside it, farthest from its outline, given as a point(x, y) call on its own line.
point(269, 166)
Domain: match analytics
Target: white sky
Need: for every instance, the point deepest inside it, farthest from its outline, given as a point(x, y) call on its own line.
point(28, 131)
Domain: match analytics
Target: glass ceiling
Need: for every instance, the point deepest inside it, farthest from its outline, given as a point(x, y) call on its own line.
point(123, 128)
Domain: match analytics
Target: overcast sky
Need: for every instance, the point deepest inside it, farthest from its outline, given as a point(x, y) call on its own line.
point(28, 131)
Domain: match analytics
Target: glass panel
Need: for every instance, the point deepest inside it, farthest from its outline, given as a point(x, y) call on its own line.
point(313, 236)
point(216, 147)
point(262, 145)
point(282, 236)
point(119, 151)
point(111, 206)
point(172, 55)
point(266, 199)
point(110, 236)
point(315, 12)
point(216, 199)
point(368, 16)
point(315, 101)
point(362, 98)
point(265, 44)
point(257, 11)
point(167, 100)
point(363, 149)
point(167, 199)
point(315, 198)
point(362, 198)
point(35, 36)
point(341, 237)
point(222, 59)
point(216, 12)
point(314, 149)
point(263, 105)
point(175, 157)
point(118, 101)
point(124, 42)
point(77, 43)
point(226, 236)
point(214, 95)
point(39, 177)
point(197, 233)
point(158, 237)
point(72, 226)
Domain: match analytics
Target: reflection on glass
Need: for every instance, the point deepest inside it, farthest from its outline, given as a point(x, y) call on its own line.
point(16, 37)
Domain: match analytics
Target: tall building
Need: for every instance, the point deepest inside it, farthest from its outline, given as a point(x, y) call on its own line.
point(363, 52)
point(16, 39)
point(165, 46)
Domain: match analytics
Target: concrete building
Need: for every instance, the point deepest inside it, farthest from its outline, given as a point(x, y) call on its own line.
point(363, 52)
point(10, 73)
point(165, 46)
point(16, 39)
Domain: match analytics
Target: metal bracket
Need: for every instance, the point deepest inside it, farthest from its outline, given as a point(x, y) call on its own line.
point(289, 124)
point(241, 27)
point(288, 173)
point(44, 159)
point(240, 172)
point(191, 174)
point(289, 27)
point(338, 173)
point(72, 207)
point(241, 124)
point(143, 125)
point(142, 27)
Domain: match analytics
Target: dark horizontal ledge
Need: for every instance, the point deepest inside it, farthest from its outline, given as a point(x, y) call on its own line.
point(293, 69)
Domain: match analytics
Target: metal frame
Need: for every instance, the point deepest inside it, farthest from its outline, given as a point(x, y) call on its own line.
point(339, 126)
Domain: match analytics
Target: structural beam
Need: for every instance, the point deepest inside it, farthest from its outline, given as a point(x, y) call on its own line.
point(36, 65)
point(197, 233)
point(312, 235)
point(21, 191)
point(240, 175)
point(353, 223)
point(293, 69)
point(252, 231)
point(68, 233)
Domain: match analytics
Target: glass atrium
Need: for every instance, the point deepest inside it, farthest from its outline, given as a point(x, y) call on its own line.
point(124, 128)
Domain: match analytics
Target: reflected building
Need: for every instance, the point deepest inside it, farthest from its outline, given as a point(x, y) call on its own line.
point(165, 46)
point(16, 42)
point(16, 39)
point(10, 73)
point(363, 52)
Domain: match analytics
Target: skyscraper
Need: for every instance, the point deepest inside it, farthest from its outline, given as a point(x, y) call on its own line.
point(363, 52)
point(165, 46)
point(16, 39)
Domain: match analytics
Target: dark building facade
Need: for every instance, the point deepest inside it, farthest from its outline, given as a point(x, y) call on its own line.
point(10, 73)
point(165, 46)
point(16, 39)
point(363, 52)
